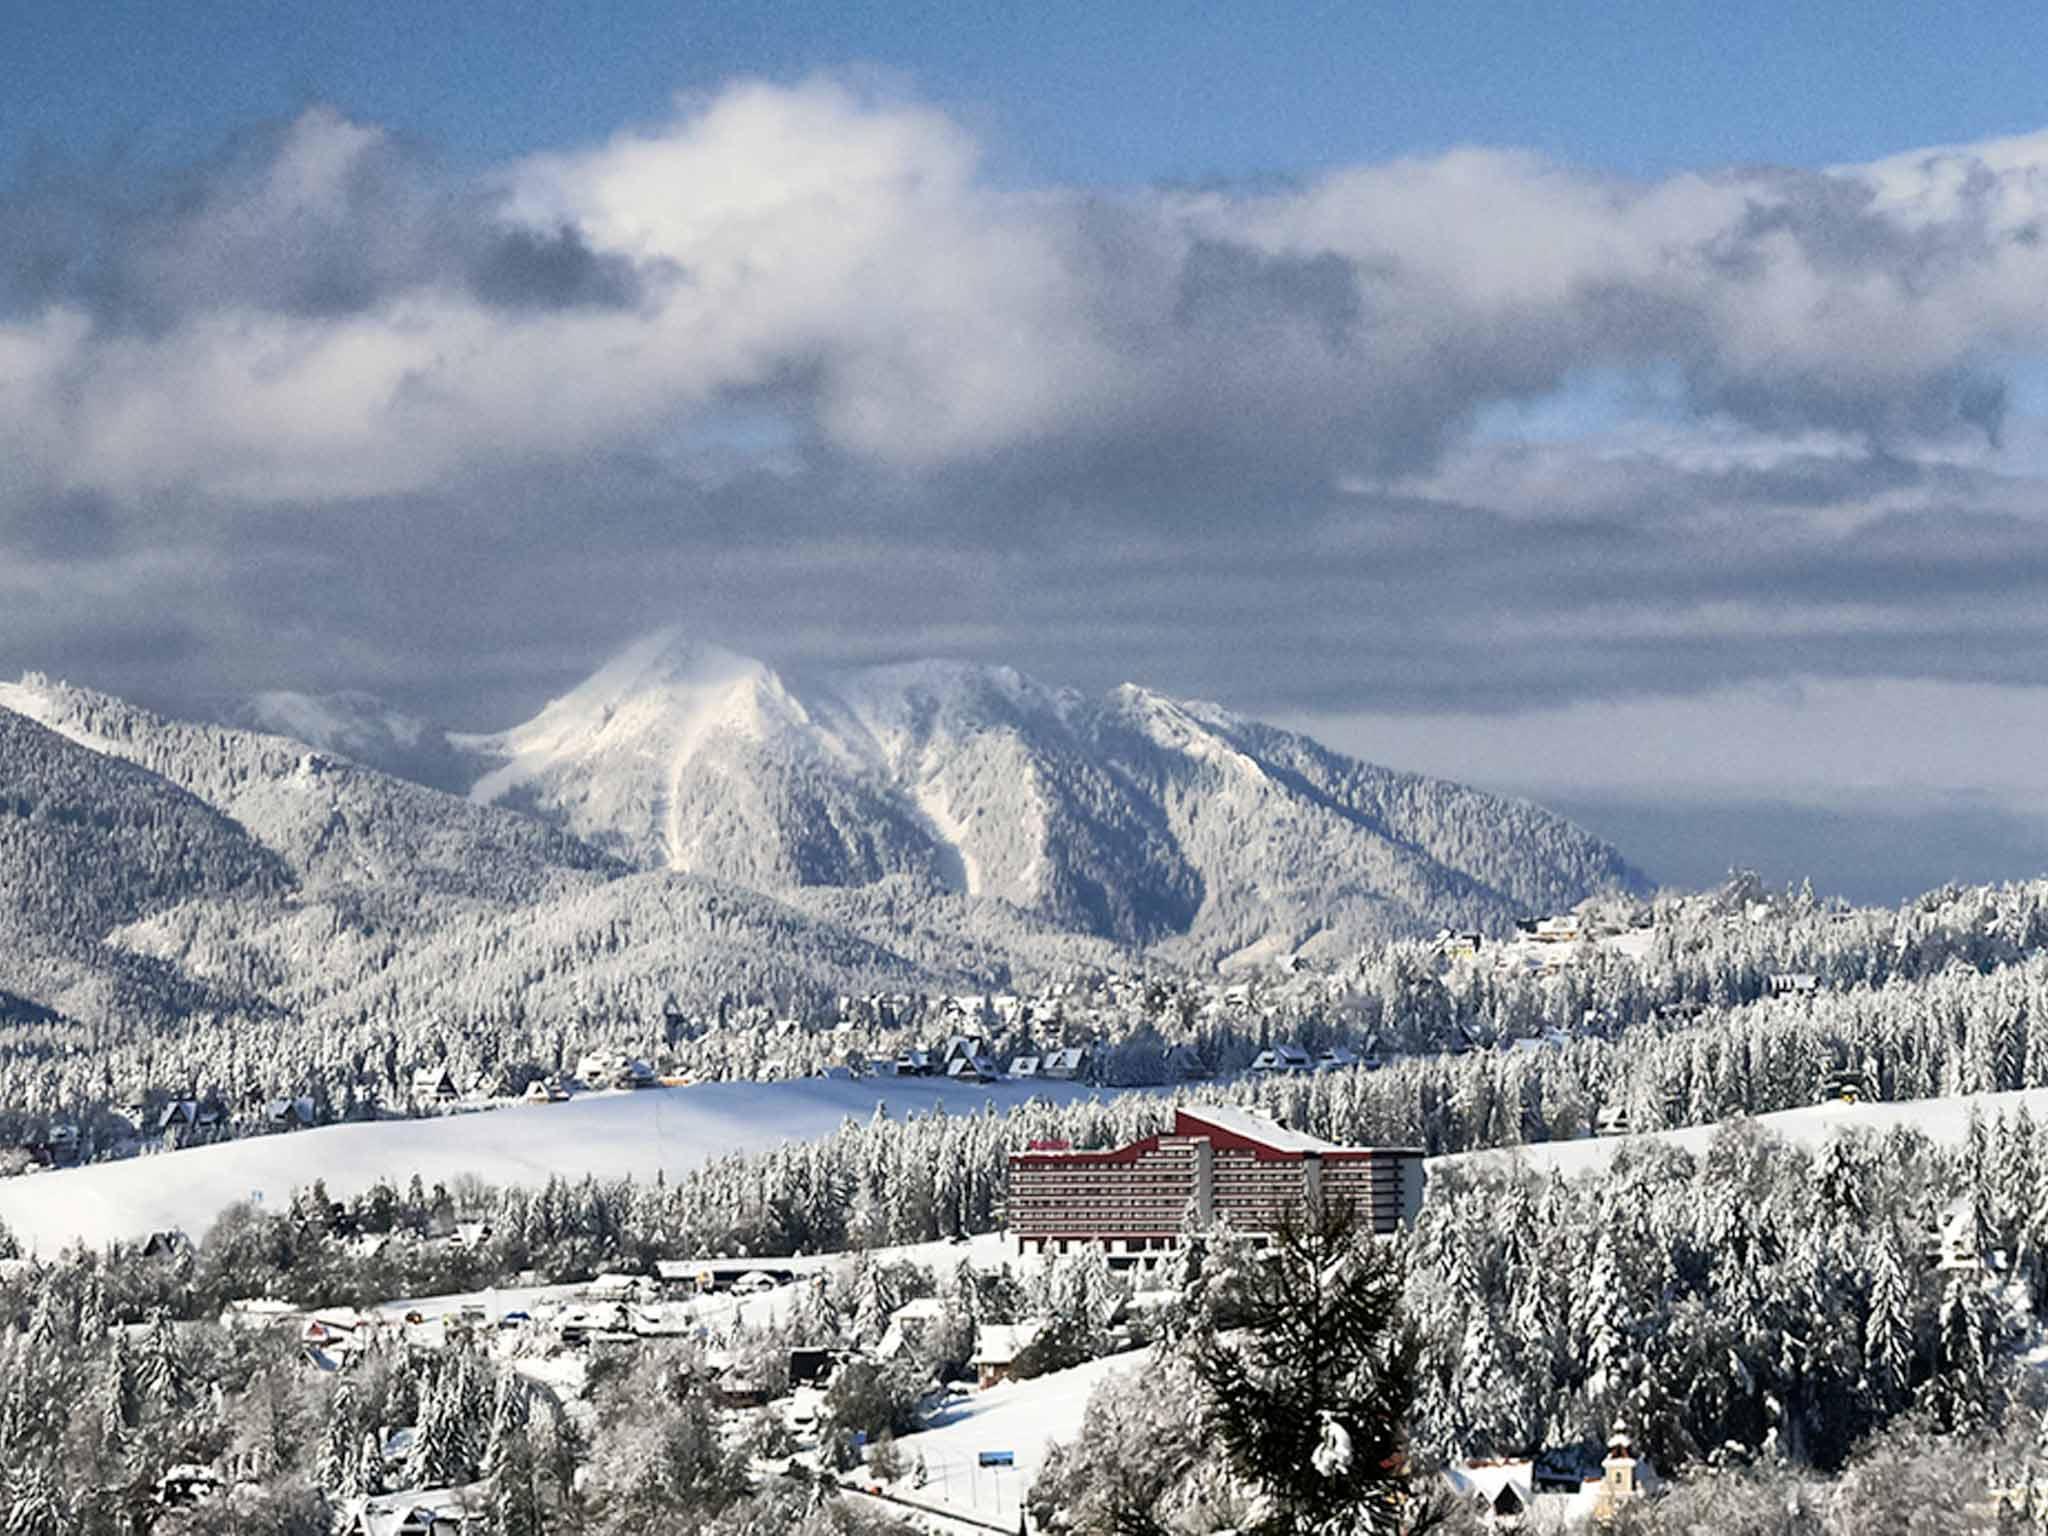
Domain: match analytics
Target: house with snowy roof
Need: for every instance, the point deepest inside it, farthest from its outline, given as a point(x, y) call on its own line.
point(1068, 1064)
point(1283, 1060)
point(415, 1512)
point(1953, 1240)
point(615, 1069)
point(996, 1348)
point(291, 1114)
point(184, 1121)
point(1561, 1490)
point(967, 1056)
point(908, 1325)
point(435, 1084)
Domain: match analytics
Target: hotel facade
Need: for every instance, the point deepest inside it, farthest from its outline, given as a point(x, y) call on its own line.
point(1214, 1165)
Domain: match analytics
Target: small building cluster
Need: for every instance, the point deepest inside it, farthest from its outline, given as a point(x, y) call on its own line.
point(1562, 1490)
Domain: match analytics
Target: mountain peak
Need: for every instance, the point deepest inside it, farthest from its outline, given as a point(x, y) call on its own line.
point(1134, 816)
point(667, 658)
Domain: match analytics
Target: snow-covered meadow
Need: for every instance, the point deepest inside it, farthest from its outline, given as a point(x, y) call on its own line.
point(1945, 1121)
point(665, 1131)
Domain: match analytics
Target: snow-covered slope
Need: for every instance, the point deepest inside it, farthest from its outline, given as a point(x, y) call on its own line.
point(331, 820)
point(1946, 1121)
point(1024, 1418)
point(1133, 817)
point(664, 1131)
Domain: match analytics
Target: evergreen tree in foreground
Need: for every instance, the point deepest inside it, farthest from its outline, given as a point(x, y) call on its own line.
point(1311, 1397)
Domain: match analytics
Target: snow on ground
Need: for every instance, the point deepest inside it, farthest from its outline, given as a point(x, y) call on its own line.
point(1021, 1417)
point(1946, 1121)
point(987, 1251)
point(655, 1130)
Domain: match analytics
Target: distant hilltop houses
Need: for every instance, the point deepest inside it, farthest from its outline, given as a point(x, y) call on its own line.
point(1546, 946)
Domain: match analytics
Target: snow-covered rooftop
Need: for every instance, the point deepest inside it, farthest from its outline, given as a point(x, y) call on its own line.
point(1270, 1133)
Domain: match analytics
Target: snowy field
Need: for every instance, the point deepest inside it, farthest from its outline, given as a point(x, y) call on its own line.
point(1946, 1122)
point(1021, 1417)
point(654, 1130)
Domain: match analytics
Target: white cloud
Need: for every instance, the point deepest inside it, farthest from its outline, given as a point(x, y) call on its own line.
point(844, 253)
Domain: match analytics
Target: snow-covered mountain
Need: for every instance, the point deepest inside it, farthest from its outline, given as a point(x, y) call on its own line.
point(689, 822)
point(1131, 817)
point(154, 869)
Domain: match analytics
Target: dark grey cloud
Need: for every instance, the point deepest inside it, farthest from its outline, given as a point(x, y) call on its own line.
point(312, 217)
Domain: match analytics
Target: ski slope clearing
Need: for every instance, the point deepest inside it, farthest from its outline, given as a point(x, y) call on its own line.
point(666, 1131)
point(1945, 1121)
point(1021, 1417)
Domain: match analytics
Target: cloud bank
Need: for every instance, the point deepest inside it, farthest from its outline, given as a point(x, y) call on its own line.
point(790, 367)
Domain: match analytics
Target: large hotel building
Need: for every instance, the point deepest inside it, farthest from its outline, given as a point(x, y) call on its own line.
point(1215, 1164)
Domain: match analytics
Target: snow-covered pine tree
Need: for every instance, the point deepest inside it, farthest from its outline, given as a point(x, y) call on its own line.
point(1311, 1399)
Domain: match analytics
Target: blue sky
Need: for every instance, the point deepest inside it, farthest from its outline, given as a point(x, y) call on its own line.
point(1070, 92)
point(1645, 406)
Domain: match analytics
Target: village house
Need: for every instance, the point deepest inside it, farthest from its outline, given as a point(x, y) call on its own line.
point(967, 1056)
point(435, 1085)
point(996, 1347)
point(1612, 1120)
point(1953, 1241)
point(186, 1484)
point(546, 1090)
point(290, 1114)
point(908, 1326)
point(1561, 1490)
point(333, 1337)
point(59, 1147)
point(1458, 946)
point(184, 1121)
point(416, 1512)
point(1069, 1064)
point(618, 1287)
point(1023, 1068)
point(1283, 1060)
point(601, 1070)
point(1844, 1085)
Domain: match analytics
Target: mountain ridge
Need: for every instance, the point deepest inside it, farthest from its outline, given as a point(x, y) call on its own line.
point(1087, 812)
